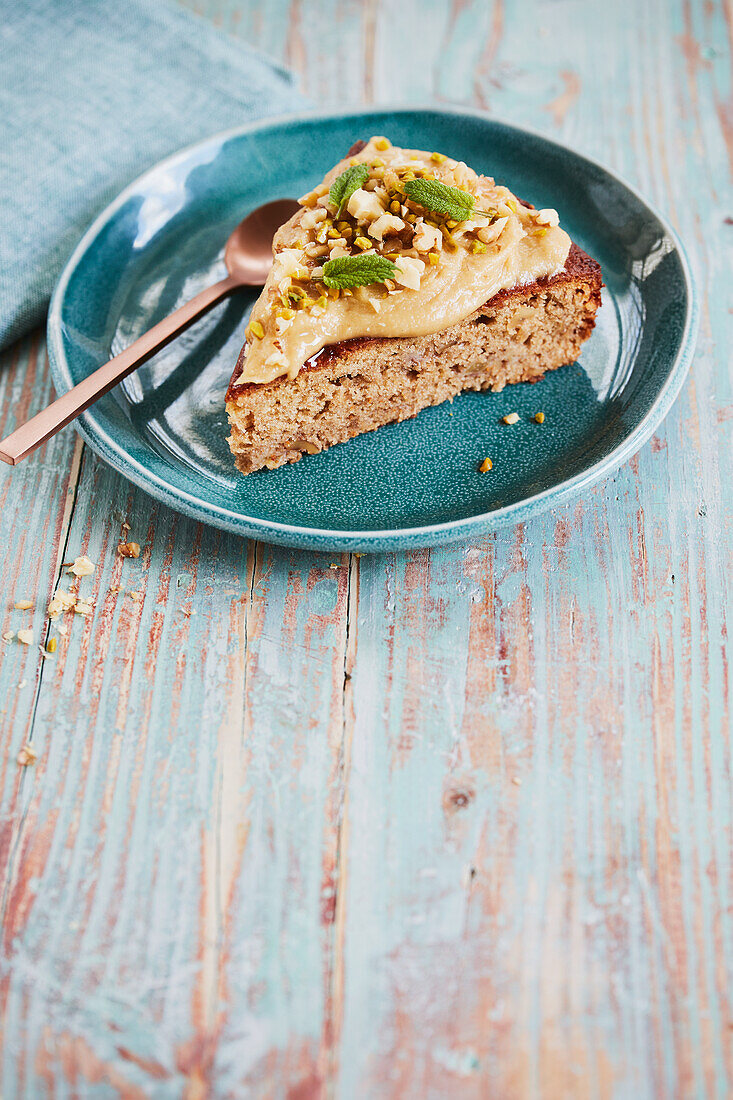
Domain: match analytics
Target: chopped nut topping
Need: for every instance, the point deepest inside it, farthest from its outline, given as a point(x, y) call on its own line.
point(23, 605)
point(82, 567)
point(51, 645)
point(421, 211)
point(129, 549)
point(539, 418)
point(8, 635)
point(27, 756)
point(26, 636)
point(486, 465)
point(510, 418)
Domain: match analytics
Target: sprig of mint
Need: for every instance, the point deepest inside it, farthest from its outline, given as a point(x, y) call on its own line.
point(343, 186)
point(441, 198)
point(349, 271)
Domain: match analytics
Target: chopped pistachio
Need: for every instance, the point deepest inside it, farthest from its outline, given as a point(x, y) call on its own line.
point(256, 329)
point(382, 144)
point(438, 158)
point(478, 247)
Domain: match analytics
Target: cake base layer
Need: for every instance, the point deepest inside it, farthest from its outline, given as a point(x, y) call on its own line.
point(360, 385)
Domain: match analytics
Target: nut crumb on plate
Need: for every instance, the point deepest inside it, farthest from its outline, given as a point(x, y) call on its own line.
point(510, 418)
point(26, 636)
point(23, 605)
point(129, 549)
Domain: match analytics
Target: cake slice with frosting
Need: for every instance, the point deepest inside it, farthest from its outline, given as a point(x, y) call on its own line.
point(404, 279)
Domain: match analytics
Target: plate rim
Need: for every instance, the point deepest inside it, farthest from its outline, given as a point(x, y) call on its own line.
point(393, 538)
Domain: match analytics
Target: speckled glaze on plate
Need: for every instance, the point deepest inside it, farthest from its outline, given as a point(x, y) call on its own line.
point(407, 485)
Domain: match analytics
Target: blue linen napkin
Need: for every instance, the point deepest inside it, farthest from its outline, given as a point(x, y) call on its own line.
point(93, 92)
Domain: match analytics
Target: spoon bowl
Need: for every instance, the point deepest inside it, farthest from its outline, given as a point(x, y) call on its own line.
point(248, 259)
point(248, 252)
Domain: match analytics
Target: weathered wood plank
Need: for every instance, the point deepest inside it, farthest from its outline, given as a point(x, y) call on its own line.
point(185, 782)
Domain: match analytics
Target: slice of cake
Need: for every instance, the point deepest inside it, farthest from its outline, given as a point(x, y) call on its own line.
point(404, 279)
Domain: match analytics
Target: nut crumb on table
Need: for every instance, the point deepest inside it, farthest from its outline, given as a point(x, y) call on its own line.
point(82, 567)
point(27, 756)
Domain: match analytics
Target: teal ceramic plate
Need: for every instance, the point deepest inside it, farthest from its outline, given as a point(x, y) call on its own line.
point(406, 485)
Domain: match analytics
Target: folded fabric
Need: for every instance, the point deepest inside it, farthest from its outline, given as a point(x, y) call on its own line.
point(92, 92)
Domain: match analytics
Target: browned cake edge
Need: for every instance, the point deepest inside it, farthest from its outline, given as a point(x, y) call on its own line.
point(579, 266)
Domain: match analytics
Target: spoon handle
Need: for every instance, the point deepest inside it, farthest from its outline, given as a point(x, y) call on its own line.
point(55, 416)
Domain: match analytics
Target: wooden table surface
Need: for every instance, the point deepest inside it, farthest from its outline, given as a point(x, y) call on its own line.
point(446, 823)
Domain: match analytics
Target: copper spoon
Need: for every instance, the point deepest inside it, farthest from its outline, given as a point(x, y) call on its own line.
point(248, 259)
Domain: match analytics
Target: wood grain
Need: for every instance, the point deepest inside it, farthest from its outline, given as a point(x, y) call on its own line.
point(454, 822)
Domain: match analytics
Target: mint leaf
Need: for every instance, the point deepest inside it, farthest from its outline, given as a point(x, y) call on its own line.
point(440, 198)
point(343, 186)
point(357, 271)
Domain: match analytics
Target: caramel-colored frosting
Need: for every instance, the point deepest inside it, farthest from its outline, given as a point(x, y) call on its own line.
point(445, 269)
